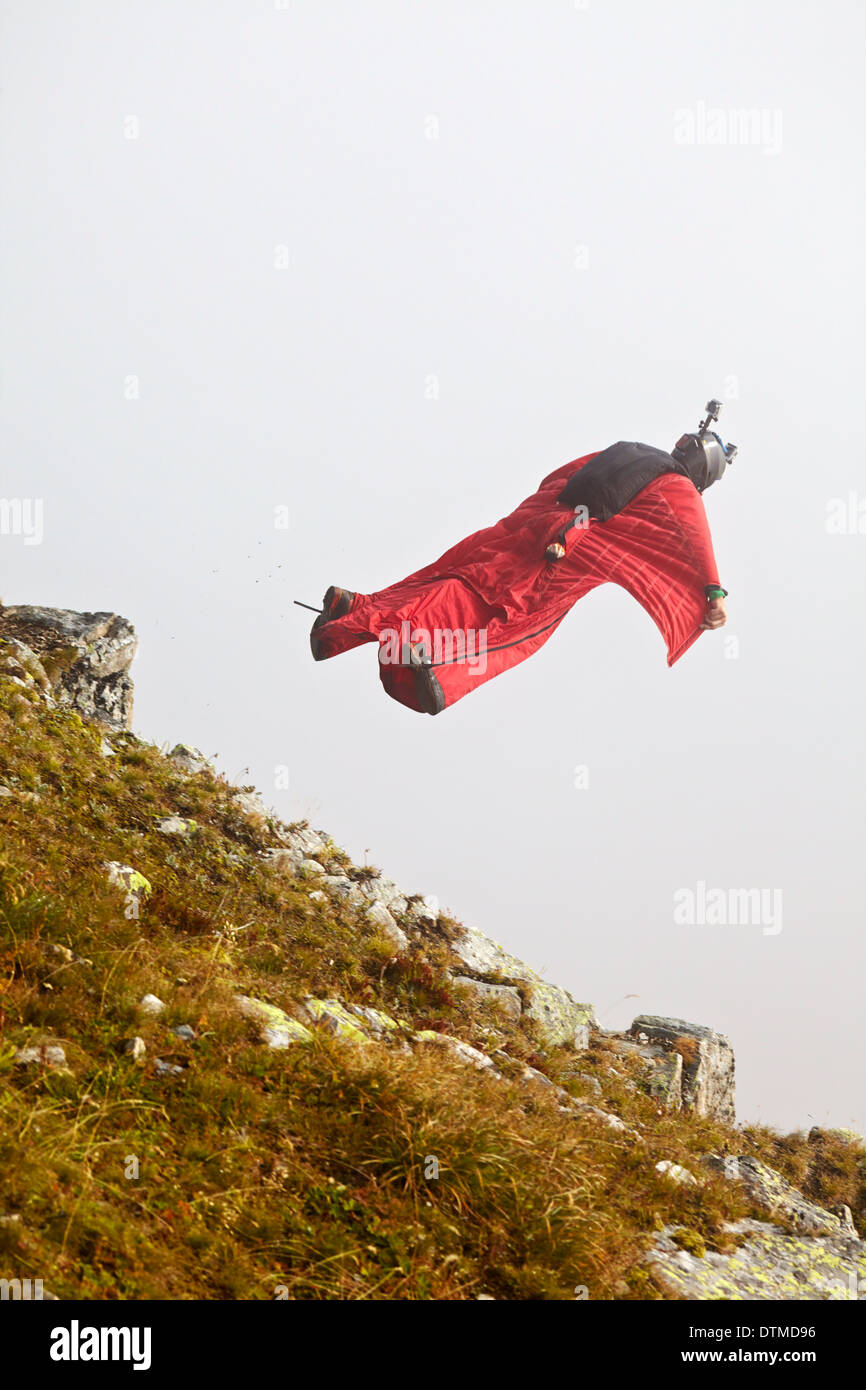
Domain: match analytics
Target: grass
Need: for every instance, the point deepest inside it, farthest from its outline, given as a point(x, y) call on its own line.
point(325, 1171)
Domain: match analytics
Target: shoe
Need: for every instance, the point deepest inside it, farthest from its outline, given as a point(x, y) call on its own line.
point(336, 604)
point(428, 691)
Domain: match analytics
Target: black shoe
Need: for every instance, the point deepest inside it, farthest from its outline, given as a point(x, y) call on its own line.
point(428, 691)
point(336, 604)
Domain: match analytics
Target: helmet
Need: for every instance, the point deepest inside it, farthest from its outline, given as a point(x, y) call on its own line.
point(704, 454)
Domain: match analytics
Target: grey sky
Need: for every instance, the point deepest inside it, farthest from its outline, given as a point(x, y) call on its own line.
point(497, 196)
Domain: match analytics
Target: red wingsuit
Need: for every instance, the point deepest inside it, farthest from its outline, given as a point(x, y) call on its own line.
point(498, 592)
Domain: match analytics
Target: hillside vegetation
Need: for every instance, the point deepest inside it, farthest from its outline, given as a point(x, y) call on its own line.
point(237, 1171)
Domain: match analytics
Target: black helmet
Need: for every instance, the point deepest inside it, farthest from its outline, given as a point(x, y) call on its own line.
point(704, 454)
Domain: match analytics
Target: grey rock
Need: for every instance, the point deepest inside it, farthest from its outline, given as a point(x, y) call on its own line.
point(308, 868)
point(664, 1069)
point(505, 996)
point(707, 1074)
point(772, 1193)
point(582, 1108)
point(176, 825)
point(379, 915)
point(85, 658)
point(188, 759)
point(252, 805)
point(676, 1173)
point(531, 1076)
point(769, 1265)
point(847, 1136)
point(63, 952)
point(135, 1048)
point(464, 1051)
point(134, 885)
point(587, 1080)
point(305, 841)
point(342, 887)
point(385, 891)
point(149, 1004)
point(376, 1022)
point(184, 1031)
point(559, 1018)
point(423, 911)
point(41, 1055)
point(276, 1028)
point(484, 956)
point(164, 1068)
point(283, 861)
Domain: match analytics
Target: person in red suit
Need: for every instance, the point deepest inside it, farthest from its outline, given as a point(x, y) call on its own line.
point(630, 514)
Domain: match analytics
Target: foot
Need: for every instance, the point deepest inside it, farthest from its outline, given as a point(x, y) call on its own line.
point(336, 604)
point(428, 691)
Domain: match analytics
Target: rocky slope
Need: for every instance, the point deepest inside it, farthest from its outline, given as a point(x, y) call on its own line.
point(411, 1110)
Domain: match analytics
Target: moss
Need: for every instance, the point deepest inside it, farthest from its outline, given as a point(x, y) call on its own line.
point(691, 1241)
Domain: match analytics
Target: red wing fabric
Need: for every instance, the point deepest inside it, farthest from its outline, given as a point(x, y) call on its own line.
point(493, 599)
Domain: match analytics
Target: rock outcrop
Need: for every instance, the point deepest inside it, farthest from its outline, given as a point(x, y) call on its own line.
point(764, 1263)
point(706, 1073)
point(775, 1195)
point(77, 660)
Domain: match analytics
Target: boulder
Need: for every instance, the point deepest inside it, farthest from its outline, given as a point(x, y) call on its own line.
point(252, 806)
point(341, 886)
point(83, 659)
point(423, 911)
point(505, 996)
point(676, 1173)
point(334, 1017)
point(386, 892)
point(663, 1069)
point(381, 918)
point(773, 1194)
point(150, 1005)
point(767, 1265)
point(559, 1018)
point(847, 1136)
point(483, 956)
point(584, 1109)
point(707, 1063)
point(375, 1022)
point(41, 1055)
point(133, 884)
point(189, 760)
point(304, 841)
point(176, 825)
point(276, 1028)
point(461, 1050)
